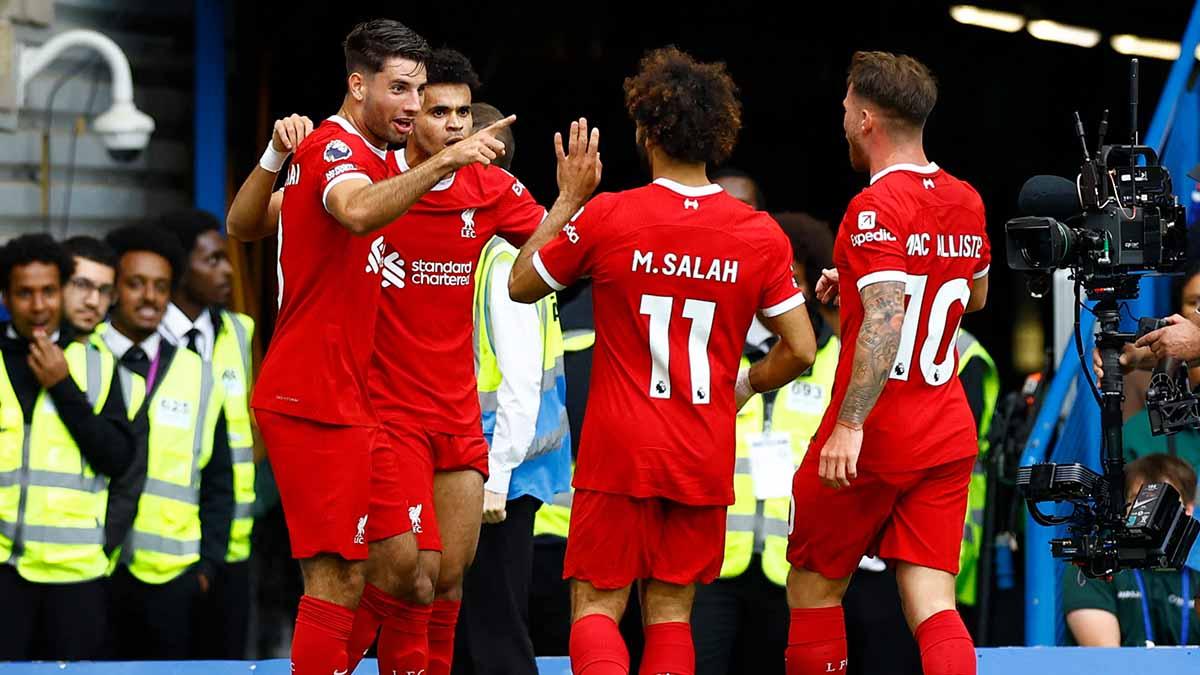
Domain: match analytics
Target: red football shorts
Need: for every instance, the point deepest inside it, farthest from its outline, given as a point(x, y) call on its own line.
point(615, 540)
point(418, 453)
point(913, 516)
point(324, 475)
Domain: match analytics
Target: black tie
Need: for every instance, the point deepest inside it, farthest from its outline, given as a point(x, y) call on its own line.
point(136, 360)
point(193, 340)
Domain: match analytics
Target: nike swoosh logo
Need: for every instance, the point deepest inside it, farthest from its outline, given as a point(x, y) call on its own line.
point(340, 672)
point(1144, 501)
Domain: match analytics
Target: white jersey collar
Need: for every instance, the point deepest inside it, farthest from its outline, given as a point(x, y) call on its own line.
point(688, 190)
point(402, 164)
point(915, 168)
point(350, 128)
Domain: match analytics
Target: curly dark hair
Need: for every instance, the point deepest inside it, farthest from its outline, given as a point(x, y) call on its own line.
point(897, 83)
point(371, 43)
point(152, 239)
point(689, 109)
point(187, 225)
point(450, 66)
point(31, 248)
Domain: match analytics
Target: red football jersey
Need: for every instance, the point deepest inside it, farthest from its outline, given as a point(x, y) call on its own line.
point(424, 363)
point(316, 366)
point(922, 226)
point(678, 274)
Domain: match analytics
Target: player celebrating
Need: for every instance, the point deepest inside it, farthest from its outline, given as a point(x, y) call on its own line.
point(311, 400)
point(896, 446)
point(423, 377)
point(679, 269)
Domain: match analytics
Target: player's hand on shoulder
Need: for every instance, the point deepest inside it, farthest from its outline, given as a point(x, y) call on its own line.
point(289, 131)
point(579, 166)
point(481, 147)
point(827, 286)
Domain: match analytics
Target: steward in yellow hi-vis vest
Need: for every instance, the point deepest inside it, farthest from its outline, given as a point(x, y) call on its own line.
point(180, 535)
point(744, 612)
point(197, 320)
point(981, 379)
point(64, 435)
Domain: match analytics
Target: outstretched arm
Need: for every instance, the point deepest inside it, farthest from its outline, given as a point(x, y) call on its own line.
point(579, 171)
point(363, 207)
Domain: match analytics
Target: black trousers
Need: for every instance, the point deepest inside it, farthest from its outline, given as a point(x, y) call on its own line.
point(493, 624)
point(550, 605)
point(740, 625)
point(223, 616)
point(154, 621)
point(877, 636)
point(51, 622)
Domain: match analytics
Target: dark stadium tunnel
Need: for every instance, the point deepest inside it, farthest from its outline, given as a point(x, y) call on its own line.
point(1004, 111)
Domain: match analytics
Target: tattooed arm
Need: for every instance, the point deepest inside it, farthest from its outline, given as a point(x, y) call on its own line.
point(874, 353)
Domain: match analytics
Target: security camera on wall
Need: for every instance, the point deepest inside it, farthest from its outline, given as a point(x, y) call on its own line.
point(124, 130)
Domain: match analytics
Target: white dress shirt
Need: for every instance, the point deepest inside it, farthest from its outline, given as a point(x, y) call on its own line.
point(516, 336)
point(175, 326)
point(119, 344)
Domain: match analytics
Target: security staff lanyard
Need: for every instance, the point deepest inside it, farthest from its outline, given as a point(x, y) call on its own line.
point(1184, 613)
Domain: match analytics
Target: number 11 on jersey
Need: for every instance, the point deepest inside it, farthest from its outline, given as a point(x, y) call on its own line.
point(658, 308)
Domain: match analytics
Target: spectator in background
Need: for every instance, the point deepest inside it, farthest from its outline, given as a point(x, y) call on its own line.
point(1138, 608)
point(1138, 440)
point(63, 435)
point(518, 363)
point(198, 320)
point(180, 535)
point(740, 186)
point(89, 292)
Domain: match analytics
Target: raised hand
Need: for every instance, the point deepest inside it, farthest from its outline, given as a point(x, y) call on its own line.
point(579, 167)
point(289, 131)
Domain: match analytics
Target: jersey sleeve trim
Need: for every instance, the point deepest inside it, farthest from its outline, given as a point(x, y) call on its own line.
point(785, 306)
point(883, 275)
point(341, 179)
point(982, 273)
point(545, 274)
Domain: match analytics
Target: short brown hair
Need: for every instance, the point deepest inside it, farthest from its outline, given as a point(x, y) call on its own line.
point(899, 84)
point(689, 109)
point(1161, 468)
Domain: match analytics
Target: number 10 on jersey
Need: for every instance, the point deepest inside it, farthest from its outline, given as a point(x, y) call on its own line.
point(659, 309)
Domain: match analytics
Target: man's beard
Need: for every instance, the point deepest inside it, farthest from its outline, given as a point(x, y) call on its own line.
point(858, 159)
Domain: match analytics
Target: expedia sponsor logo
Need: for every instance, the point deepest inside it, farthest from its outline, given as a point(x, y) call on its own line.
point(878, 234)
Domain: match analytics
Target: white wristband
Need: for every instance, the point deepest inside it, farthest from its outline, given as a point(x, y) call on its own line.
point(272, 160)
point(742, 391)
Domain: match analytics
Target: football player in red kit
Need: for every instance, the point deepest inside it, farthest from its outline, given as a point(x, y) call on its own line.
point(311, 400)
point(895, 450)
point(423, 373)
point(679, 269)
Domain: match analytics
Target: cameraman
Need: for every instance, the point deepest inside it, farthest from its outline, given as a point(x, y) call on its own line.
point(1137, 437)
point(1138, 607)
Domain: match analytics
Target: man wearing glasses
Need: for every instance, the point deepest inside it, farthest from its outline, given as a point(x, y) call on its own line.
point(89, 292)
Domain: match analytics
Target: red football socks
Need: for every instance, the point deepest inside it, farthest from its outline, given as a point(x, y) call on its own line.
point(816, 641)
point(322, 632)
point(441, 636)
point(597, 647)
point(404, 639)
point(946, 646)
point(669, 650)
point(372, 610)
